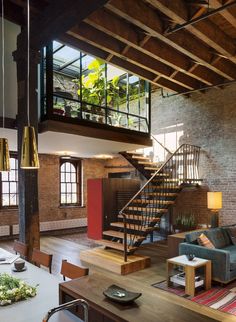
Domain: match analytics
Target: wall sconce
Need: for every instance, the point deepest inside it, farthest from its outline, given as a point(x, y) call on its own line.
point(214, 203)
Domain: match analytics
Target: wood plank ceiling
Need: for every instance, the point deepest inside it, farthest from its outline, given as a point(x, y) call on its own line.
point(141, 37)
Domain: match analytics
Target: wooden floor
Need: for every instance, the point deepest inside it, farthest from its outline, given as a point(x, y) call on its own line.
point(67, 249)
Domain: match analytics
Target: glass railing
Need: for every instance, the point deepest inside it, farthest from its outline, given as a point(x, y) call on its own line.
point(74, 109)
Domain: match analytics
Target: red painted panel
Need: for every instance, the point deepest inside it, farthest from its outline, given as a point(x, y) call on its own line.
point(95, 208)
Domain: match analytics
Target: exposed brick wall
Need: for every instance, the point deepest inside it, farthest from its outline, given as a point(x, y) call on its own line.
point(49, 198)
point(209, 121)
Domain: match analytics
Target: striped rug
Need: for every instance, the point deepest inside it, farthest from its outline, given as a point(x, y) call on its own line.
point(218, 298)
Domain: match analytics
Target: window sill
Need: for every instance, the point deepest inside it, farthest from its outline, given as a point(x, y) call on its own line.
point(70, 206)
point(9, 209)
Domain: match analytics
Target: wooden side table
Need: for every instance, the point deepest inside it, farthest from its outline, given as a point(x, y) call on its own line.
point(190, 269)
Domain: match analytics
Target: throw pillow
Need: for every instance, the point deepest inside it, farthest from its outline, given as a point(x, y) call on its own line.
point(232, 234)
point(204, 241)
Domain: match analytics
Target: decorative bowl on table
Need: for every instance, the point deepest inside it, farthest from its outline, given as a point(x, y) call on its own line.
point(120, 295)
point(190, 257)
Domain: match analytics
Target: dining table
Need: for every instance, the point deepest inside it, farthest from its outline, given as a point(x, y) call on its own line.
point(35, 308)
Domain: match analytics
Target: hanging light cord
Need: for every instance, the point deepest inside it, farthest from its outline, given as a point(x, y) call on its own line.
point(3, 67)
point(28, 58)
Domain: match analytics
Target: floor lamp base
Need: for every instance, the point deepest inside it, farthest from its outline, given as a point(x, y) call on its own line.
point(214, 220)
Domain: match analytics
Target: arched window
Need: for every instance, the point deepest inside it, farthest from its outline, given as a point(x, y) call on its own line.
point(9, 185)
point(70, 182)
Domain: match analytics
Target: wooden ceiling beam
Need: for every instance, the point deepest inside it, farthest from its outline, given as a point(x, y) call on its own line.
point(58, 17)
point(182, 40)
point(13, 13)
point(118, 60)
point(117, 48)
point(205, 30)
point(229, 14)
point(116, 28)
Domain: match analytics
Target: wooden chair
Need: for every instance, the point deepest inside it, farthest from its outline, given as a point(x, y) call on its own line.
point(41, 258)
point(72, 271)
point(20, 248)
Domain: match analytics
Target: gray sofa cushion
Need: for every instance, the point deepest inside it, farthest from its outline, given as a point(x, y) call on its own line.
point(192, 237)
point(218, 237)
point(232, 254)
point(232, 234)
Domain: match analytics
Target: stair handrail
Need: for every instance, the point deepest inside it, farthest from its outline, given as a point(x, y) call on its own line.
point(162, 145)
point(121, 212)
point(149, 180)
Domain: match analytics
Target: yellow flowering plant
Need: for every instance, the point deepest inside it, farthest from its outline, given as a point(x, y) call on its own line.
point(13, 290)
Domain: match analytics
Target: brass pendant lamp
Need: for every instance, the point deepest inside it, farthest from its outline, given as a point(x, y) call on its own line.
point(29, 153)
point(4, 150)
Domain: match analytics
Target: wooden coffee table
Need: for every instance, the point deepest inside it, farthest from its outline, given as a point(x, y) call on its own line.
point(190, 269)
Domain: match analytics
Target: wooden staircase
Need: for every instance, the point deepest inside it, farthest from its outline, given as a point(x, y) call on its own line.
point(142, 214)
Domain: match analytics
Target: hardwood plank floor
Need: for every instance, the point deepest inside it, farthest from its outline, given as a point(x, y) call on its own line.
point(61, 248)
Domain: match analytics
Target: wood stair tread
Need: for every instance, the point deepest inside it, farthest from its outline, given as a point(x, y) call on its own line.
point(139, 157)
point(163, 194)
point(140, 217)
point(132, 226)
point(148, 163)
point(167, 188)
point(151, 201)
point(120, 234)
point(137, 208)
point(114, 245)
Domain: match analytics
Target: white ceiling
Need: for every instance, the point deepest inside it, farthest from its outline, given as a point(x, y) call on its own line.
point(70, 144)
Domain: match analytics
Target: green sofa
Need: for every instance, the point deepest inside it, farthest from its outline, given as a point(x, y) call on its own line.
point(223, 256)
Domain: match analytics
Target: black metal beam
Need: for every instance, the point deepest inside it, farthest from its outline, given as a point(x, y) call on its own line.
point(202, 17)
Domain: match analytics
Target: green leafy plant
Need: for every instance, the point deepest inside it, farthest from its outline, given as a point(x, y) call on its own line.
point(185, 221)
point(13, 290)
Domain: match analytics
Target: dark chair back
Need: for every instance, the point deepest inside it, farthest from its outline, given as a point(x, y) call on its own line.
point(20, 248)
point(72, 271)
point(41, 258)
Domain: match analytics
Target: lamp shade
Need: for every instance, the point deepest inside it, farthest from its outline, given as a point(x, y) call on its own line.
point(4, 155)
point(29, 153)
point(214, 200)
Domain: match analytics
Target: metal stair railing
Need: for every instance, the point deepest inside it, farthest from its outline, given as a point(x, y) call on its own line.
point(152, 199)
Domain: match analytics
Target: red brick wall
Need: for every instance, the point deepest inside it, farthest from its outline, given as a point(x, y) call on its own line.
point(49, 198)
point(209, 121)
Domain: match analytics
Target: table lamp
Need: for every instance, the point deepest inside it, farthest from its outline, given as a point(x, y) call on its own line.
point(214, 203)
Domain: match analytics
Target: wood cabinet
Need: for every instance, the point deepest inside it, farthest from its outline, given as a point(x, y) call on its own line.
point(105, 197)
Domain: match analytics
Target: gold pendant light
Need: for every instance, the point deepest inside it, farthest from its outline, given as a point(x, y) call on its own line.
point(29, 153)
point(4, 150)
point(4, 155)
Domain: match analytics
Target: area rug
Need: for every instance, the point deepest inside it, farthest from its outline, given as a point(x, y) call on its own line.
point(218, 298)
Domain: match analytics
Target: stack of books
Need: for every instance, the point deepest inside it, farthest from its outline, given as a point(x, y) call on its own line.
point(180, 279)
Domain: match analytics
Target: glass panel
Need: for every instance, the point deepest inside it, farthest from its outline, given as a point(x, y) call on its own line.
point(73, 177)
point(67, 177)
point(68, 197)
point(68, 166)
point(12, 175)
point(13, 187)
point(4, 176)
point(63, 167)
point(62, 177)
point(63, 187)
point(68, 187)
point(12, 163)
point(63, 198)
point(5, 199)
point(5, 187)
point(72, 169)
point(12, 199)
point(74, 198)
point(74, 187)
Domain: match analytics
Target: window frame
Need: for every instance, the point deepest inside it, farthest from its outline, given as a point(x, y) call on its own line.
point(13, 155)
point(77, 163)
